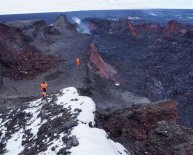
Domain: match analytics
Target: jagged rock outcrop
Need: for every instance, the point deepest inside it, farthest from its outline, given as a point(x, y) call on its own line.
point(135, 122)
point(61, 23)
point(175, 28)
point(99, 66)
point(132, 29)
point(140, 129)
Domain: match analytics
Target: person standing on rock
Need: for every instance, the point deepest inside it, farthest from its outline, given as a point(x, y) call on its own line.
point(77, 61)
point(43, 88)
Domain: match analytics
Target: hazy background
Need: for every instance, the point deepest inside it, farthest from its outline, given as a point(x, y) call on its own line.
point(41, 6)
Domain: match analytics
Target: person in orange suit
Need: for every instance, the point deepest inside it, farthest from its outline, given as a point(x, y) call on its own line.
point(43, 88)
point(77, 61)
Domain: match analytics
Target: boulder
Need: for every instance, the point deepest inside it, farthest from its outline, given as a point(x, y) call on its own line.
point(169, 138)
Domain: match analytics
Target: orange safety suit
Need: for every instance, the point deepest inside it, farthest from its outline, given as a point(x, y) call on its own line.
point(43, 88)
point(77, 61)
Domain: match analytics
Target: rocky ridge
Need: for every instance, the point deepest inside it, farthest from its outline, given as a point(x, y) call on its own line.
point(54, 125)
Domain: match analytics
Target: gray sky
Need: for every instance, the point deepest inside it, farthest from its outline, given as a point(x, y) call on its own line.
point(37, 6)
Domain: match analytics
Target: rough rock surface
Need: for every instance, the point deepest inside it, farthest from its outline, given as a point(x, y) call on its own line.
point(1, 75)
point(99, 66)
point(169, 139)
point(132, 29)
point(175, 28)
point(21, 60)
point(139, 128)
point(156, 63)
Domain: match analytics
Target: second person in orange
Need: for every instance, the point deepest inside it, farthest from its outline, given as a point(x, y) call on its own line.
point(77, 61)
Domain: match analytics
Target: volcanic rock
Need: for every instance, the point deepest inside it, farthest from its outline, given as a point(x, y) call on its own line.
point(119, 26)
point(175, 28)
point(152, 64)
point(21, 59)
point(69, 125)
point(99, 66)
point(26, 24)
point(133, 123)
point(61, 23)
point(138, 128)
point(132, 29)
point(168, 138)
point(1, 75)
point(31, 29)
point(149, 28)
point(97, 26)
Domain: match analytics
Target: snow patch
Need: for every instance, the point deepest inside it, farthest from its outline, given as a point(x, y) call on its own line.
point(91, 140)
point(34, 123)
point(14, 144)
point(57, 144)
point(94, 141)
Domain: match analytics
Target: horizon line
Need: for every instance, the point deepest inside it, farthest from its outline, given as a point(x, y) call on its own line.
point(22, 13)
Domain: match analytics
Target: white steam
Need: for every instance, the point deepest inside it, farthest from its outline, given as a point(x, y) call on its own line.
point(81, 27)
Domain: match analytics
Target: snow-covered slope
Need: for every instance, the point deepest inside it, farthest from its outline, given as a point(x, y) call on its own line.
point(61, 124)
